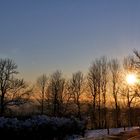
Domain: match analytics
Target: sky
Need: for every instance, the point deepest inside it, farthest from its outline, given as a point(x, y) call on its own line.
point(43, 36)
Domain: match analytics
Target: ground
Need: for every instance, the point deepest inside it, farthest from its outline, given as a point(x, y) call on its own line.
point(129, 134)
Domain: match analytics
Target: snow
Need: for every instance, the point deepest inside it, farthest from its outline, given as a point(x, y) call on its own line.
point(99, 133)
point(56, 123)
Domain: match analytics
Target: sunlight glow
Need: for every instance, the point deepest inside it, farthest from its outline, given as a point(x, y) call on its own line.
point(131, 79)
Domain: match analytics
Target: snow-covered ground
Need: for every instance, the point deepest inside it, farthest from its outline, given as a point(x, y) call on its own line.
point(103, 132)
point(99, 133)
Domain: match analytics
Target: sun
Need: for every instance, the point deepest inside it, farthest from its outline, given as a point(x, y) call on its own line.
point(131, 79)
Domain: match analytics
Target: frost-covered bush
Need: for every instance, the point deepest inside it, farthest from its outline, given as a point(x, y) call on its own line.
point(40, 127)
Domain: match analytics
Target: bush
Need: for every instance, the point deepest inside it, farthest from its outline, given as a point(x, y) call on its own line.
point(40, 128)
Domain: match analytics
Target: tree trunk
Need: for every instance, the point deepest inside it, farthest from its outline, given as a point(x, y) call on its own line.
point(2, 105)
point(117, 115)
point(94, 113)
point(79, 110)
point(129, 116)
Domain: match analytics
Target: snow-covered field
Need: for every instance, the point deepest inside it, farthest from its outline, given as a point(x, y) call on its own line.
point(99, 133)
point(103, 132)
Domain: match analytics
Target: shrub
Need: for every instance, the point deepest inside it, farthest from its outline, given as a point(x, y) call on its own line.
point(40, 127)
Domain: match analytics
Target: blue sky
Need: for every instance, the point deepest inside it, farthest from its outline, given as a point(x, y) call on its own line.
point(44, 35)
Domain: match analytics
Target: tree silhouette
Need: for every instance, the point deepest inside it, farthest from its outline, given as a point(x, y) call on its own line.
point(115, 75)
point(97, 82)
point(13, 91)
point(56, 92)
point(76, 84)
point(42, 84)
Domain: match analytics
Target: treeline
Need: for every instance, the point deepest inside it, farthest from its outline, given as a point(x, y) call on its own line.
point(102, 97)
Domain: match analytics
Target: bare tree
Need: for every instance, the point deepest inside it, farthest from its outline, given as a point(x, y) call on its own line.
point(137, 60)
point(93, 82)
point(129, 91)
point(42, 84)
point(67, 99)
point(13, 91)
point(115, 71)
point(104, 82)
point(97, 81)
point(56, 91)
point(76, 83)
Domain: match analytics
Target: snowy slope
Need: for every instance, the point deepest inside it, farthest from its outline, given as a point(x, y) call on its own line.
point(103, 132)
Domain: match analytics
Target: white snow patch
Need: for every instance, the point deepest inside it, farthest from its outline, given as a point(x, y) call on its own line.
point(103, 132)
